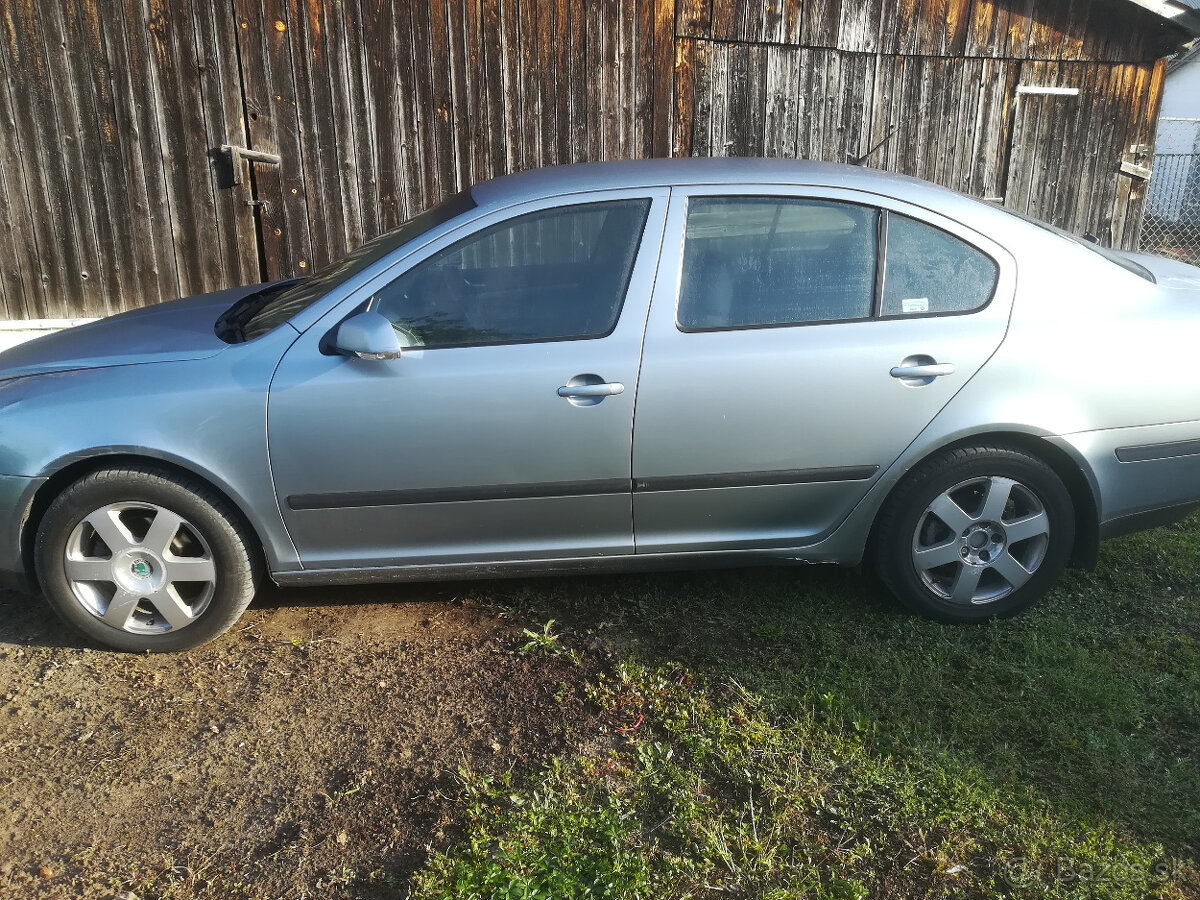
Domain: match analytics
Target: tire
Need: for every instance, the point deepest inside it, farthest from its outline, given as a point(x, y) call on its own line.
point(142, 561)
point(975, 533)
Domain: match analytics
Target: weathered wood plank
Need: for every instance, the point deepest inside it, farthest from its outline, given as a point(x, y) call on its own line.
point(860, 28)
point(702, 115)
point(632, 69)
point(440, 75)
point(685, 97)
point(236, 259)
point(746, 99)
point(508, 50)
point(612, 99)
point(185, 145)
point(274, 127)
point(662, 77)
point(316, 132)
point(495, 69)
point(728, 20)
point(780, 122)
point(528, 100)
point(579, 85)
point(362, 155)
point(46, 173)
point(547, 71)
point(86, 92)
point(20, 269)
point(820, 21)
point(348, 127)
point(693, 18)
point(412, 91)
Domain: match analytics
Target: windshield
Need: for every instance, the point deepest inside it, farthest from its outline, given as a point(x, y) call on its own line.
point(264, 310)
point(1112, 256)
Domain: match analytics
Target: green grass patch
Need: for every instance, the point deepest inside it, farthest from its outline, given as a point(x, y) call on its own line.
point(793, 734)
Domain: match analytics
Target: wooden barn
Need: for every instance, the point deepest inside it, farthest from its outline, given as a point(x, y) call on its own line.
point(152, 148)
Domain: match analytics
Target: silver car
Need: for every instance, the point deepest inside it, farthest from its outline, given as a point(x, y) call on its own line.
point(615, 366)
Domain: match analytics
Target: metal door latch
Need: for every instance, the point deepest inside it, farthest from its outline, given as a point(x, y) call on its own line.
point(238, 155)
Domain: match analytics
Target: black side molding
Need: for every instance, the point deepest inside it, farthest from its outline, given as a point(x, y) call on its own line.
point(754, 479)
point(357, 499)
point(1148, 452)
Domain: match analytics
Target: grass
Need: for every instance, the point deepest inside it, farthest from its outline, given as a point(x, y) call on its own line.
point(783, 733)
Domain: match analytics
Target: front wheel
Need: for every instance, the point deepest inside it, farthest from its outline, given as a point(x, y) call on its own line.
point(141, 561)
point(974, 533)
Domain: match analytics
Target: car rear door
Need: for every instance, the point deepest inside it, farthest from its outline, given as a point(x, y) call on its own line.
point(785, 368)
point(505, 432)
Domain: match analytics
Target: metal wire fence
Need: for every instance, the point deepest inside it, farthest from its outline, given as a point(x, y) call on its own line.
point(1171, 226)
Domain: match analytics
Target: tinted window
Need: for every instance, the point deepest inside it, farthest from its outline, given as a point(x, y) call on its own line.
point(930, 271)
point(755, 261)
point(556, 274)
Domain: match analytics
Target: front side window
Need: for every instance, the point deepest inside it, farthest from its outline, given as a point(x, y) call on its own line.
point(555, 274)
point(759, 261)
point(930, 271)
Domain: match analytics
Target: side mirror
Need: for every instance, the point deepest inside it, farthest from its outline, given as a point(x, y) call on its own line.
point(367, 335)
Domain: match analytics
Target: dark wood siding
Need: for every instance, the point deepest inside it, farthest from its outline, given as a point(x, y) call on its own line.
point(115, 192)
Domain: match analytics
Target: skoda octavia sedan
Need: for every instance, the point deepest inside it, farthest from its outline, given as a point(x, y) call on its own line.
point(615, 366)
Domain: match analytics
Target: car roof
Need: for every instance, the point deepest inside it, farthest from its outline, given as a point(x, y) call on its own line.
point(596, 176)
point(554, 181)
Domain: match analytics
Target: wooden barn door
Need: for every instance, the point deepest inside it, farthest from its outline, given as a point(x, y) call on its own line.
point(1080, 135)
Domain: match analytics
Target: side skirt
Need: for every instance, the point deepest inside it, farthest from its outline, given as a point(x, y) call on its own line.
point(660, 562)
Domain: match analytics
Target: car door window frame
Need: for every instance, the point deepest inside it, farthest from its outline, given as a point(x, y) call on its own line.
point(629, 264)
point(1002, 286)
point(357, 297)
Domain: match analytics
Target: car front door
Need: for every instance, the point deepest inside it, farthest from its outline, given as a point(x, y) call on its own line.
point(503, 432)
point(785, 367)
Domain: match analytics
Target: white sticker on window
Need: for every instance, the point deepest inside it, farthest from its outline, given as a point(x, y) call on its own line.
point(914, 305)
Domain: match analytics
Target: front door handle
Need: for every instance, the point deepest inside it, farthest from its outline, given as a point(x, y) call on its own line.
point(588, 390)
point(604, 389)
point(926, 371)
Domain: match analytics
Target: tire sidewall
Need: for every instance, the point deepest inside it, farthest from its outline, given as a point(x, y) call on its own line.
point(906, 508)
point(234, 587)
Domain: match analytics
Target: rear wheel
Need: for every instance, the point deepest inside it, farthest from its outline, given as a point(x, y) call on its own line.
point(139, 560)
point(974, 533)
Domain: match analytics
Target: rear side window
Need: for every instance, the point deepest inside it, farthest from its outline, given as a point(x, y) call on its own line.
point(556, 274)
point(929, 271)
point(760, 261)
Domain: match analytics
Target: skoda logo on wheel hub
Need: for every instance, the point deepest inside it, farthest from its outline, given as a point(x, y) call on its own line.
point(141, 568)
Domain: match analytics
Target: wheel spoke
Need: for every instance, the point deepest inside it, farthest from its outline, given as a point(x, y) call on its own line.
point(171, 607)
point(110, 529)
point(965, 582)
point(120, 608)
point(932, 557)
point(1010, 568)
point(88, 569)
point(1030, 526)
point(190, 568)
point(997, 498)
point(950, 513)
point(162, 531)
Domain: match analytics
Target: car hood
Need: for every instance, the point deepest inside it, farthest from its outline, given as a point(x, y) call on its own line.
point(1168, 273)
point(176, 330)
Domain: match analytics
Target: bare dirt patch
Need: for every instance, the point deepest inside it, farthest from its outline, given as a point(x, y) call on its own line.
point(311, 752)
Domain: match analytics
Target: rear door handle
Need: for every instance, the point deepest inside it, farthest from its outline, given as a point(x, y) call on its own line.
point(605, 389)
point(926, 371)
